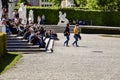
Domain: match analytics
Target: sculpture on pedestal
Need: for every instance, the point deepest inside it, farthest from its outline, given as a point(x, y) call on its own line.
point(62, 19)
point(31, 17)
point(22, 13)
point(38, 20)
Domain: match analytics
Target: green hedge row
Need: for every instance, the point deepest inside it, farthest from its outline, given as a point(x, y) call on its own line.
point(100, 30)
point(100, 18)
point(3, 43)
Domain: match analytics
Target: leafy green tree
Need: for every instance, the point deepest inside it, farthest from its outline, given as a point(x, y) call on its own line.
point(80, 3)
point(106, 4)
point(22, 1)
point(56, 2)
point(117, 3)
point(92, 4)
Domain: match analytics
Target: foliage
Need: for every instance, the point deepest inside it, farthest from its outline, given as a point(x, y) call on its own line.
point(80, 3)
point(22, 1)
point(50, 14)
point(3, 41)
point(106, 5)
point(91, 4)
point(56, 2)
point(99, 30)
point(97, 17)
point(9, 60)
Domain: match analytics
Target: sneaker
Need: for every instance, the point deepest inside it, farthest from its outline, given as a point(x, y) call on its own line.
point(77, 46)
point(64, 43)
point(67, 45)
point(29, 42)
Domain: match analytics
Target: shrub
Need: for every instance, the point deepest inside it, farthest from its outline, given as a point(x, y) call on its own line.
point(100, 18)
point(3, 41)
point(22, 1)
point(91, 30)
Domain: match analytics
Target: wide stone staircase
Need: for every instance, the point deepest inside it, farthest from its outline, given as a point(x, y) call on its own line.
point(18, 44)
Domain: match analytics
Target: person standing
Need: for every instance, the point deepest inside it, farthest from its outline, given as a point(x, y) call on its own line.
point(67, 35)
point(43, 19)
point(39, 20)
point(76, 33)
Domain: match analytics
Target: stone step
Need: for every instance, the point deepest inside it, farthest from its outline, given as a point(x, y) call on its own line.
point(33, 46)
point(17, 41)
point(26, 50)
point(11, 36)
point(18, 44)
point(15, 38)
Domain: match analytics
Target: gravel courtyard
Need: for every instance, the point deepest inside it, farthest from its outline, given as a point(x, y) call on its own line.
point(97, 58)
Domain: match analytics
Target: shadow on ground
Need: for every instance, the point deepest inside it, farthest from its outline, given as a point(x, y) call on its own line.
point(6, 60)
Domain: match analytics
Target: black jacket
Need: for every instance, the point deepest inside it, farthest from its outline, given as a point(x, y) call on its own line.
point(67, 31)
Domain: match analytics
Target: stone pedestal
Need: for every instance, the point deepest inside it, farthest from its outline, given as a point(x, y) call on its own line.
point(2, 29)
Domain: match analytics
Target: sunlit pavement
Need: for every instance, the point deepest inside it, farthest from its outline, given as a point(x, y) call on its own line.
point(97, 58)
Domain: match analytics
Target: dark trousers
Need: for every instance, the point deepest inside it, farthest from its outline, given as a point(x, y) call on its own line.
point(76, 40)
point(67, 40)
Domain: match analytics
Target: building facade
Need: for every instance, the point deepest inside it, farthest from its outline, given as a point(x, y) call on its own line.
point(46, 3)
point(43, 3)
point(67, 3)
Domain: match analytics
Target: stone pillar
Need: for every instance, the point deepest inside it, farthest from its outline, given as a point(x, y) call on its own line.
point(40, 2)
point(2, 28)
point(11, 9)
point(66, 3)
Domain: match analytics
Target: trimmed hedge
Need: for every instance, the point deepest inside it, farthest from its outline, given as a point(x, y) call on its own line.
point(3, 43)
point(100, 18)
point(100, 30)
point(51, 15)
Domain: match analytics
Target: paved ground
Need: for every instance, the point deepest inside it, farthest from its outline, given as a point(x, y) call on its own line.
point(97, 58)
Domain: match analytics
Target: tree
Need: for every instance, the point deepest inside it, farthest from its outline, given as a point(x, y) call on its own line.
point(80, 3)
point(92, 4)
point(106, 4)
point(22, 1)
point(117, 3)
point(56, 2)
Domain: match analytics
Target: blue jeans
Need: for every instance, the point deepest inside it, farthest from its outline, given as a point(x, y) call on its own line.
point(76, 40)
point(41, 43)
point(66, 42)
point(8, 31)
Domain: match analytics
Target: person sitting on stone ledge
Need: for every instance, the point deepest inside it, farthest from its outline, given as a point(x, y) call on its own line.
point(26, 33)
point(53, 35)
point(31, 34)
point(35, 39)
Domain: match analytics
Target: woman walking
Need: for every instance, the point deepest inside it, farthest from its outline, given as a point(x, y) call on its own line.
point(67, 34)
point(76, 35)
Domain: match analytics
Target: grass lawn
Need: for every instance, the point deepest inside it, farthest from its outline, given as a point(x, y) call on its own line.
point(9, 60)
